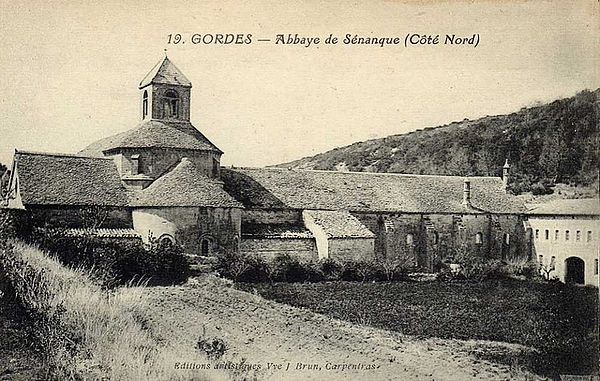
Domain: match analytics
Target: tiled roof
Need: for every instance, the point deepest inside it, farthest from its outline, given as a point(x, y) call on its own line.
point(339, 224)
point(154, 133)
point(575, 207)
point(184, 185)
point(167, 73)
point(58, 179)
point(275, 231)
point(101, 233)
point(364, 192)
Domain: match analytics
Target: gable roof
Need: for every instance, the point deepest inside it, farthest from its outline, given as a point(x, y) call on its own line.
point(154, 134)
point(575, 207)
point(185, 185)
point(364, 192)
point(165, 72)
point(59, 179)
point(338, 224)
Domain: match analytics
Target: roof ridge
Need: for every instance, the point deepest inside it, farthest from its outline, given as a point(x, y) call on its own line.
point(364, 173)
point(59, 154)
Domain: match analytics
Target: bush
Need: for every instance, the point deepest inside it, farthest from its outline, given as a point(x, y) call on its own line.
point(541, 189)
point(213, 348)
point(118, 262)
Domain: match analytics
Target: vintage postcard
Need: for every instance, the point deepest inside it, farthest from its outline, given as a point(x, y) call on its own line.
point(299, 190)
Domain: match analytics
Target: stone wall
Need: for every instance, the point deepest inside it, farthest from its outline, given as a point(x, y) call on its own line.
point(156, 161)
point(269, 216)
point(303, 249)
point(77, 217)
point(351, 249)
point(425, 240)
point(190, 225)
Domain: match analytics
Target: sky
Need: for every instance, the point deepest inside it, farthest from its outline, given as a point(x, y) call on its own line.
point(70, 70)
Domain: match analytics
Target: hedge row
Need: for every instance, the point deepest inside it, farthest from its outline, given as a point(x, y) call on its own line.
point(117, 262)
point(284, 268)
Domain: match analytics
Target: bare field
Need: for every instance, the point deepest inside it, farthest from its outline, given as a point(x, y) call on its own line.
point(259, 332)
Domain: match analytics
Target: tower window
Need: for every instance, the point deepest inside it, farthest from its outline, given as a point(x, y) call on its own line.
point(171, 105)
point(145, 104)
point(215, 168)
point(409, 239)
point(479, 238)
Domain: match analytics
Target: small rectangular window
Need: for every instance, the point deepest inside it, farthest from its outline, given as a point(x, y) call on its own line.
point(567, 235)
point(595, 266)
point(547, 234)
point(556, 234)
point(589, 236)
point(541, 259)
point(537, 233)
point(578, 235)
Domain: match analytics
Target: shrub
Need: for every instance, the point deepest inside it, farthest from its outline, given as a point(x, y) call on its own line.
point(118, 262)
point(331, 269)
point(359, 271)
point(214, 348)
point(541, 189)
point(233, 265)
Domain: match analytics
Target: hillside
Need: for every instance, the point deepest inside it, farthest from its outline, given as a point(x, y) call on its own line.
point(553, 143)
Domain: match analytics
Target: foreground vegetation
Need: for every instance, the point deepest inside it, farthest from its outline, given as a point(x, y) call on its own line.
point(83, 331)
point(18, 361)
point(558, 320)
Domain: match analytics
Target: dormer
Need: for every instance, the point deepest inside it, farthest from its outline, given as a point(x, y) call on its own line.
point(165, 93)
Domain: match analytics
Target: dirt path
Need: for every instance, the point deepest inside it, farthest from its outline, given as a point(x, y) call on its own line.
point(315, 347)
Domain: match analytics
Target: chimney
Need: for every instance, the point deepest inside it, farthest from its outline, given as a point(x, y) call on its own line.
point(467, 193)
point(505, 177)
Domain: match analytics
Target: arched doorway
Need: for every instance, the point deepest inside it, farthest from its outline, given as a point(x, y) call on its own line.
point(206, 246)
point(575, 270)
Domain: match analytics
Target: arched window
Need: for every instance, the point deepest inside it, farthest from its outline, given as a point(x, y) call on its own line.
point(506, 239)
point(145, 104)
point(556, 234)
point(206, 246)
point(436, 238)
point(171, 106)
point(389, 226)
point(166, 240)
point(479, 238)
point(409, 239)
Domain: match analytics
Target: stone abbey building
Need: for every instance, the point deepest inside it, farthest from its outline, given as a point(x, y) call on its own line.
point(163, 179)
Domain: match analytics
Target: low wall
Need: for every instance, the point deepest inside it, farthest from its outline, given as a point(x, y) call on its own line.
point(303, 249)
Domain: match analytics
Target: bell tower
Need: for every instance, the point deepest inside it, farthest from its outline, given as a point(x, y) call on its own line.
point(165, 93)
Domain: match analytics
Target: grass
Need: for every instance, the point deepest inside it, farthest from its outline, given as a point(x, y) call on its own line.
point(558, 320)
point(18, 361)
point(91, 333)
